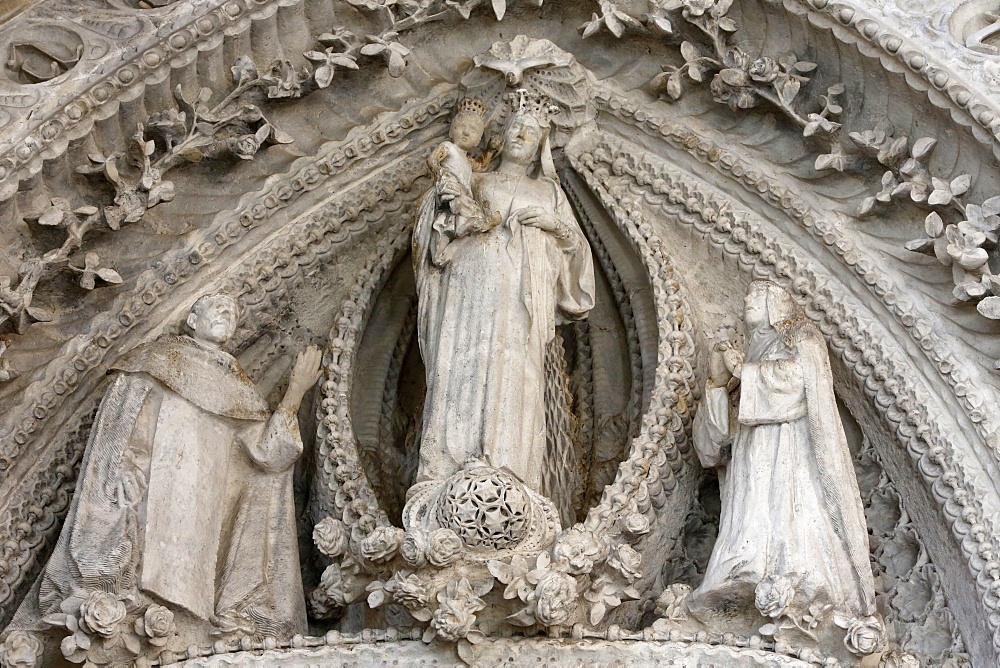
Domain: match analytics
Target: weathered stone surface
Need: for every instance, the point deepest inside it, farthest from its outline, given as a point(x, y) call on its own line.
point(153, 151)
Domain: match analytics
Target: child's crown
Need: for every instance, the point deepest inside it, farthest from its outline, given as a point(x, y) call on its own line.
point(471, 105)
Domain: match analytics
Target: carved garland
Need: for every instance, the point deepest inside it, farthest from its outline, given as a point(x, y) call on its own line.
point(916, 427)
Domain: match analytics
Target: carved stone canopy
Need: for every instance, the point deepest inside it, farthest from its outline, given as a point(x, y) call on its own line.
point(151, 152)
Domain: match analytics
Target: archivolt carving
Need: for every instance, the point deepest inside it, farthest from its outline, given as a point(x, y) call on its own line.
point(960, 485)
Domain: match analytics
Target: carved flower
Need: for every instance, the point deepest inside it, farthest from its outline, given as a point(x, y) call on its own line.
point(764, 70)
point(773, 596)
point(20, 650)
point(414, 548)
point(340, 586)
point(736, 96)
point(157, 624)
point(101, 613)
point(626, 561)
point(697, 7)
point(578, 549)
point(330, 537)
point(382, 544)
point(456, 614)
point(672, 603)
point(409, 590)
point(554, 597)
point(865, 636)
point(445, 547)
point(636, 524)
point(245, 147)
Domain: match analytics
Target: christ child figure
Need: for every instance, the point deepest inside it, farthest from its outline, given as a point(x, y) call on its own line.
point(459, 213)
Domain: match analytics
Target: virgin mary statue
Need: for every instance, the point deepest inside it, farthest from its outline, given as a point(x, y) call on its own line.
point(792, 526)
point(489, 304)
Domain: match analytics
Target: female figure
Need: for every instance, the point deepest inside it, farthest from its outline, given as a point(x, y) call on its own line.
point(489, 304)
point(791, 509)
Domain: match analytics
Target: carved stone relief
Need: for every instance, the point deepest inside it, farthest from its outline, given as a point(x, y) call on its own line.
point(475, 477)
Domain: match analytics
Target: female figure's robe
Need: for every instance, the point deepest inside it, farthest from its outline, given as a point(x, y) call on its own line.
point(487, 308)
point(185, 495)
point(790, 500)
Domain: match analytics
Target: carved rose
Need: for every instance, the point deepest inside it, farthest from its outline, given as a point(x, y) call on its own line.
point(410, 591)
point(456, 613)
point(452, 620)
point(245, 147)
point(577, 549)
point(865, 636)
point(20, 650)
point(672, 603)
point(101, 613)
point(340, 587)
point(445, 547)
point(764, 70)
point(554, 596)
point(737, 97)
point(773, 596)
point(382, 544)
point(414, 548)
point(626, 561)
point(157, 624)
point(330, 537)
point(636, 524)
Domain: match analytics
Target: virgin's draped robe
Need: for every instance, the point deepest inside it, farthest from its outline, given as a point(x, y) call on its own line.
point(487, 306)
point(186, 494)
point(790, 500)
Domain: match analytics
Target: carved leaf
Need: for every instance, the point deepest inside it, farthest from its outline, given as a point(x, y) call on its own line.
point(933, 224)
point(789, 90)
point(728, 25)
point(591, 26)
point(892, 151)
point(768, 630)
point(109, 275)
point(961, 184)
point(499, 8)
point(522, 618)
point(990, 307)
point(376, 598)
point(662, 22)
point(866, 206)
point(466, 652)
point(597, 613)
point(690, 51)
point(922, 147)
point(53, 216)
point(991, 207)
point(674, 88)
point(501, 571)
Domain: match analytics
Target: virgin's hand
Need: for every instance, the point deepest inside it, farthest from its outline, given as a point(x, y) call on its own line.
point(536, 216)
